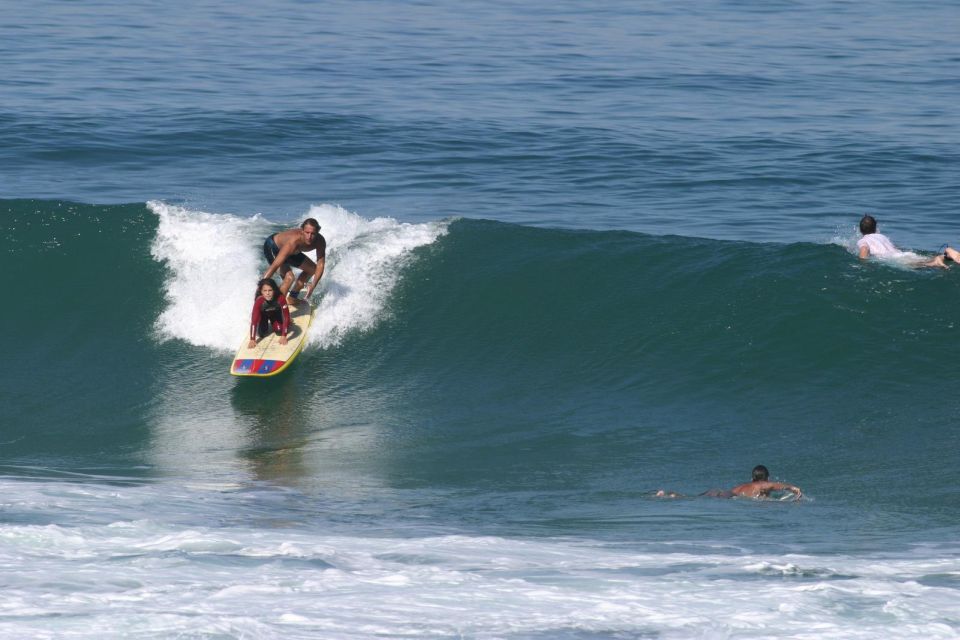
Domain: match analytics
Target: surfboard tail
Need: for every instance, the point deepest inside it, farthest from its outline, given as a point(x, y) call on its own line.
point(256, 367)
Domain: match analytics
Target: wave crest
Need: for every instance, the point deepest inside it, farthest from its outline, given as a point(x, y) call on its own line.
point(214, 261)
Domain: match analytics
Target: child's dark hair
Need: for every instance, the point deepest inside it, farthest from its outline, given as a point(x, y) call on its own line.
point(270, 283)
point(868, 224)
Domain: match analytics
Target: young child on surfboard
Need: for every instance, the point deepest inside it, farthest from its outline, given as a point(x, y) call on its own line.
point(276, 334)
point(270, 313)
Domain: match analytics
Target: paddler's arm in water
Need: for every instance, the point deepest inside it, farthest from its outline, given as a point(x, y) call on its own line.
point(762, 489)
point(864, 253)
point(783, 486)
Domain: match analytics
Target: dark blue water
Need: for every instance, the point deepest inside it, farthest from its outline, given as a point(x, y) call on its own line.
point(768, 121)
point(576, 254)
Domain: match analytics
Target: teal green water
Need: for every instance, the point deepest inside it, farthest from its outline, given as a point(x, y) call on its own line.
point(513, 359)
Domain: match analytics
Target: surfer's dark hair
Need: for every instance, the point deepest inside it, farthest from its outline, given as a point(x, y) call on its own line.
point(868, 224)
point(270, 283)
point(760, 473)
point(312, 222)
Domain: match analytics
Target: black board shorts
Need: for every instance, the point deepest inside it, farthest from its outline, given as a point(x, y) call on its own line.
point(270, 251)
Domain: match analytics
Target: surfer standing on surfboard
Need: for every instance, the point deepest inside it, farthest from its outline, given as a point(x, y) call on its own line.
point(285, 249)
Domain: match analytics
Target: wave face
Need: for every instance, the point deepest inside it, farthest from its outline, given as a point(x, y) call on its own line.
point(486, 327)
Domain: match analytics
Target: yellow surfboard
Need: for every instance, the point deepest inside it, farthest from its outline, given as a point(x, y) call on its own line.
point(270, 357)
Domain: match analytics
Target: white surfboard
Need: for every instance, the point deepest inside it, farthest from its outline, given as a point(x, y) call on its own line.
point(269, 357)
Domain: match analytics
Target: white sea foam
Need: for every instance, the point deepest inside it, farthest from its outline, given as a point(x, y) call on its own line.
point(845, 237)
point(365, 259)
point(167, 560)
point(213, 269)
point(214, 261)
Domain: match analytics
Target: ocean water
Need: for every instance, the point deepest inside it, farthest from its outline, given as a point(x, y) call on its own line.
point(577, 253)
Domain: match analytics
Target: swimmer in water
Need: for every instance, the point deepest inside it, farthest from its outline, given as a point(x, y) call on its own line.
point(759, 488)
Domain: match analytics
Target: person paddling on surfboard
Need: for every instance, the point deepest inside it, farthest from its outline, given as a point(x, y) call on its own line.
point(285, 249)
point(270, 313)
point(760, 487)
point(879, 246)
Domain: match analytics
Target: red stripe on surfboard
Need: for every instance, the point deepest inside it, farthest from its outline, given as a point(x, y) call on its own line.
point(256, 366)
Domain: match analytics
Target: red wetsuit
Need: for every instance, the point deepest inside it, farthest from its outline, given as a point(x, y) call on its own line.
point(269, 315)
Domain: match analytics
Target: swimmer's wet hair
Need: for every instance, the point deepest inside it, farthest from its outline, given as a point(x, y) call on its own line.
point(311, 222)
point(760, 473)
point(868, 224)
